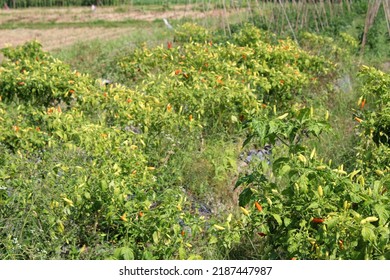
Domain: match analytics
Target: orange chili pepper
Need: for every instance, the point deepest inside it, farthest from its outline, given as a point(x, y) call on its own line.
point(362, 104)
point(258, 206)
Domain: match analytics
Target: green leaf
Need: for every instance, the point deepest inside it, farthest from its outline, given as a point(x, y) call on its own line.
point(245, 197)
point(287, 221)
point(368, 233)
point(285, 169)
point(313, 205)
point(195, 257)
point(247, 140)
point(213, 239)
point(278, 219)
point(182, 253)
point(382, 212)
point(155, 237)
point(127, 253)
point(280, 162)
point(245, 179)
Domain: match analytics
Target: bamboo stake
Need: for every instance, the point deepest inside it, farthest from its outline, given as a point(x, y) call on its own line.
point(250, 10)
point(299, 10)
point(304, 15)
point(322, 4)
point(348, 5)
point(372, 12)
point(288, 21)
point(386, 7)
point(225, 20)
point(330, 8)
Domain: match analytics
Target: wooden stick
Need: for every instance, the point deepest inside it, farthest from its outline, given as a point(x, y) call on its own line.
point(386, 7)
point(289, 23)
point(372, 11)
point(226, 21)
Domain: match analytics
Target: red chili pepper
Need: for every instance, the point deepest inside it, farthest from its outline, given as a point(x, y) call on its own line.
point(318, 220)
point(262, 234)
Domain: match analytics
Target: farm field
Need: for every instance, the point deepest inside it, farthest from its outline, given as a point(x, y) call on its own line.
point(240, 132)
point(60, 27)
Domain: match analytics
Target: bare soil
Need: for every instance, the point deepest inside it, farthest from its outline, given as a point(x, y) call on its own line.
point(54, 38)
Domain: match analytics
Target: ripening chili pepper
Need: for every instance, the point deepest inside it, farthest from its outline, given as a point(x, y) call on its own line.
point(318, 220)
point(341, 244)
point(169, 45)
point(140, 214)
point(183, 233)
point(358, 119)
point(258, 206)
point(177, 72)
point(123, 217)
point(362, 104)
point(190, 118)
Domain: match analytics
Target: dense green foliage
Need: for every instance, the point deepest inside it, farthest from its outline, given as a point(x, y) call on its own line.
point(126, 171)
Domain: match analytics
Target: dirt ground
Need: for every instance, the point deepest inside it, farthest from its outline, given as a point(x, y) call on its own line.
point(85, 14)
point(54, 38)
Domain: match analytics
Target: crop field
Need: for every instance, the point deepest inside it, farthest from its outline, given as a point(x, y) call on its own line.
point(258, 130)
